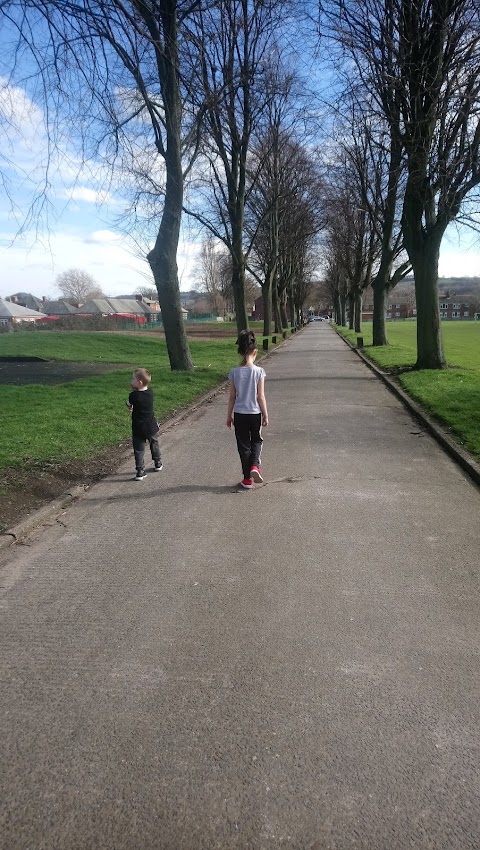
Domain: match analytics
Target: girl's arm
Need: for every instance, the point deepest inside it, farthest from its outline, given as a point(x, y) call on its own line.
point(231, 402)
point(261, 400)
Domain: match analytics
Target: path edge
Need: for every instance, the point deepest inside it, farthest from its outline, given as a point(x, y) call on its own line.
point(462, 457)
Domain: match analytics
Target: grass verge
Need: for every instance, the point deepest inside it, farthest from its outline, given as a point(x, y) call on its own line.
point(452, 395)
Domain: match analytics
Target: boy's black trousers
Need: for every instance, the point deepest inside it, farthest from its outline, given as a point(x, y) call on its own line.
point(248, 428)
point(139, 445)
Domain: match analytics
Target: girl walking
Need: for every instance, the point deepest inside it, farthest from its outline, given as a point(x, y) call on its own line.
point(249, 409)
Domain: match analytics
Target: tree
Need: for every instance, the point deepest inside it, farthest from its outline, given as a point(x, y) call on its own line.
point(211, 280)
point(148, 292)
point(235, 36)
point(420, 61)
point(283, 219)
point(264, 191)
point(78, 286)
point(117, 71)
point(376, 167)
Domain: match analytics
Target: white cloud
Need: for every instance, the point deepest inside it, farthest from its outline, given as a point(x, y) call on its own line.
point(89, 196)
point(102, 237)
point(459, 264)
point(29, 265)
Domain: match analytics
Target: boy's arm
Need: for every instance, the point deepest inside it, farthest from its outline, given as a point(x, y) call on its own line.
point(129, 403)
point(261, 400)
point(231, 402)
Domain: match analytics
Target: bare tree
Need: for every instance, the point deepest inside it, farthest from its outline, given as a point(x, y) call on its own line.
point(421, 63)
point(376, 166)
point(118, 69)
point(264, 189)
point(210, 279)
point(78, 286)
point(147, 292)
point(354, 237)
point(235, 36)
point(283, 219)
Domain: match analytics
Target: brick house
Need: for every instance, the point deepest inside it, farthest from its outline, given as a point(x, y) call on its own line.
point(455, 308)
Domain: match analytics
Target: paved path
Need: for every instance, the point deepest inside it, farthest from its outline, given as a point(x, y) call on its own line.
point(186, 667)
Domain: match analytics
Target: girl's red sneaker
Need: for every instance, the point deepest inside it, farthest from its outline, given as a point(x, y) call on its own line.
point(256, 474)
point(247, 483)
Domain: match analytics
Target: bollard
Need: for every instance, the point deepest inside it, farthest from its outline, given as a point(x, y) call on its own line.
point(284, 334)
point(265, 344)
point(359, 341)
point(274, 340)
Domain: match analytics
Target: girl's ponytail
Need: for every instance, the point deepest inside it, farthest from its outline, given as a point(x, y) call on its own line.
point(246, 343)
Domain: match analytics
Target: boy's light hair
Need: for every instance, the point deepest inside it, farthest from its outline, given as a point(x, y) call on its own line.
point(143, 375)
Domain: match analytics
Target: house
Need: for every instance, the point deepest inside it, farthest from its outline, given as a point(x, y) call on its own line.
point(127, 307)
point(461, 306)
point(12, 313)
point(58, 308)
point(454, 307)
point(25, 299)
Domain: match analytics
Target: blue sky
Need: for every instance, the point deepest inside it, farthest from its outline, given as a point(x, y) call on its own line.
point(77, 227)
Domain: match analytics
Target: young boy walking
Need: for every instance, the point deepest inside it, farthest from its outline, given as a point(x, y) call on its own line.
point(144, 423)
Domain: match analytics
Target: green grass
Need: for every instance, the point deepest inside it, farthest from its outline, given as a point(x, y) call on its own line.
point(72, 420)
point(451, 396)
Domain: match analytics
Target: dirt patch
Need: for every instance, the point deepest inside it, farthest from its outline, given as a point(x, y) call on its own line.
point(20, 372)
point(23, 491)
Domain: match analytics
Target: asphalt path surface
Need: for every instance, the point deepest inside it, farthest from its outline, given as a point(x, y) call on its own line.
point(186, 666)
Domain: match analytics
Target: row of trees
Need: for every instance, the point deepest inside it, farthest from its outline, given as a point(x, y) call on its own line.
point(190, 103)
point(175, 95)
point(412, 69)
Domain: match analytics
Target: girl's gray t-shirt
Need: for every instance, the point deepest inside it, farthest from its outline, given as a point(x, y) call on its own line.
point(246, 380)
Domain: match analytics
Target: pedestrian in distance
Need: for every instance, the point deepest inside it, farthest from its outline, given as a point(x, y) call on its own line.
point(247, 408)
point(145, 428)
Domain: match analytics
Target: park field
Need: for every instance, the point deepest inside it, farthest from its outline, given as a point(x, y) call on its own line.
point(452, 396)
point(74, 419)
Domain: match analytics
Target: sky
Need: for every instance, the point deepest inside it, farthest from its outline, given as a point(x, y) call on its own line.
point(77, 227)
point(73, 225)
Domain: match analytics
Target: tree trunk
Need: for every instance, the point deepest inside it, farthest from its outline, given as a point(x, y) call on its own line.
point(430, 353)
point(337, 310)
point(382, 280)
point(267, 305)
point(379, 302)
point(283, 309)
point(423, 249)
point(351, 313)
point(276, 310)
point(291, 309)
point(163, 263)
point(238, 274)
point(358, 312)
point(343, 311)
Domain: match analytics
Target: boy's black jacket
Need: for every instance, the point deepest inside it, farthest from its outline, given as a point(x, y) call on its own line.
point(144, 423)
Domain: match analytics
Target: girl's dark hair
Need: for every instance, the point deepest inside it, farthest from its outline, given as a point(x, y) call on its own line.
point(246, 343)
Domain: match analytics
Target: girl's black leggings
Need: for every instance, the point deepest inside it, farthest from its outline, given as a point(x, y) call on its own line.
point(248, 427)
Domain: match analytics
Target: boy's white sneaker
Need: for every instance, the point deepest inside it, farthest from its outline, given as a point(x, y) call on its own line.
point(140, 475)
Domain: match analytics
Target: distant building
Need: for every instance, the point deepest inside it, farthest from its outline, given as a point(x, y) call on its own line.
point(455, 308)
point(403, 307)
point(25, 299)
point(58, 308)
point(12, 313)
point(115, 306)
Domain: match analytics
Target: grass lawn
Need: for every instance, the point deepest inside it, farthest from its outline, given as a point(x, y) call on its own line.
point(72, 420)
point(451, 395)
